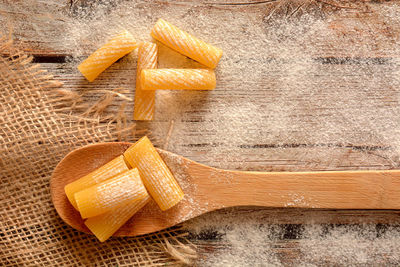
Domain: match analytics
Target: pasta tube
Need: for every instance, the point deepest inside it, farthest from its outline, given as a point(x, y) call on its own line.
point(156, 176)
point(105, 225)
point(178, 79)
point(186, 44)
point(106, 55)
point(144, 100)
point(110, 194)
point(110, 169)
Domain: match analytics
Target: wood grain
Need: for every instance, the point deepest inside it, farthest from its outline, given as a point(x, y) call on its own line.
point(361, 35)
point(311, 110)
point(36, 26)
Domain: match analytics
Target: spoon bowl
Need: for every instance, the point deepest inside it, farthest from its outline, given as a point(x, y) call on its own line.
point(150, 218)
point(207, 189)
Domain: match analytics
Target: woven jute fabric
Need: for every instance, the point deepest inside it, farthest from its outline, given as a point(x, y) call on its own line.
point(37, 130)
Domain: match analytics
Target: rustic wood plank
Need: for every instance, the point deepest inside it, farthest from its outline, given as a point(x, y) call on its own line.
point(301, 239)
point(298, 253)
point(311, 216)
point(34, 25)
point(360, 29)
point(337, 119)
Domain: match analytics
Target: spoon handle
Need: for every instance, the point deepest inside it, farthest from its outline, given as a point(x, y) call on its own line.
point(327, 189)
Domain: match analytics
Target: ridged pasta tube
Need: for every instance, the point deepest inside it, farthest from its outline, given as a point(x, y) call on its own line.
point(144, 100)
point(186, 44)
point(105, 225)
point(156, 176)
point(106, 55)
point(110, 169)
point(110, 194)
point(178, 79)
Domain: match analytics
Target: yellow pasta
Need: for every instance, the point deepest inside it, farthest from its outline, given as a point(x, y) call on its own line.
point(156, 176)
point(178, 79)
point(110, 194)
point(110, 169)
point(144, 100)
point(186, 44)
point(105, 225)
point(106, 55)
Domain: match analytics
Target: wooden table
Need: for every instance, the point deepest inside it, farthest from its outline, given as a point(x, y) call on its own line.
point(327, 93)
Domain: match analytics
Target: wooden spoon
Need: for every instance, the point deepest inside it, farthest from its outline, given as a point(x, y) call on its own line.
point(208, 189)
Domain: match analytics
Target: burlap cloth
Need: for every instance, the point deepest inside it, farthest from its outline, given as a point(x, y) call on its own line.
point(37, 129)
